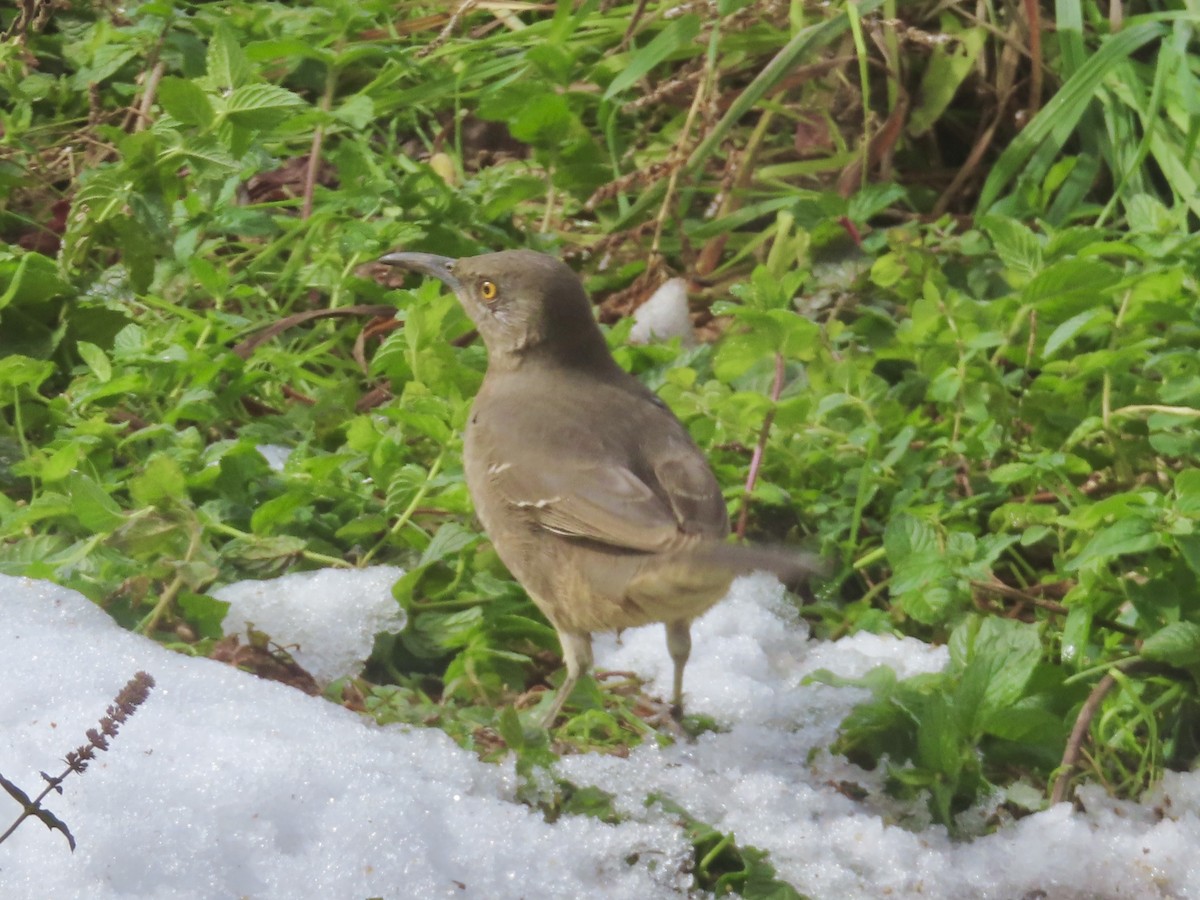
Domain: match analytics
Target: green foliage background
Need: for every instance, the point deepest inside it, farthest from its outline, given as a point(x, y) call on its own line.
point(963, 340)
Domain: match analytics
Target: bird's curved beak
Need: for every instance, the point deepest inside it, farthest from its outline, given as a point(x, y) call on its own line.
point(439, 267)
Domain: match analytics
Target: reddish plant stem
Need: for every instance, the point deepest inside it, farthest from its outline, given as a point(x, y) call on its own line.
point(760, 447)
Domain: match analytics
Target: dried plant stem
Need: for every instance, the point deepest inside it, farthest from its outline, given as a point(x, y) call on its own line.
point(444, 35)
point(739, 171)
point(801, 46)
point(1083, 722)
point(128, 699)
point(1033, 19)
point(314, 153)
point(149, 94)
point(310, 171)
point(139, 118)
point(634, 21)
point(684, 135)
point(247, 347)
point(1028, 598)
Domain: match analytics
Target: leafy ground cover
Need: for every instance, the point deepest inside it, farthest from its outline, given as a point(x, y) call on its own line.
point(950, 265)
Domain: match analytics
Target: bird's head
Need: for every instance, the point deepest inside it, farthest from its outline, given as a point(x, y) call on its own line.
point(525, 304)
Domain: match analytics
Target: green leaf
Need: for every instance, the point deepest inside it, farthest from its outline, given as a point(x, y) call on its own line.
point(1189, 549)
point(111, 49)
point(553, 60)
point(1017, 245)
point(95, 510)
point(61, 463)
point(405, 585)
point(260, 106)
point(1076, 633)
point(96, 359)
point(1177, 644)
point(426, 415)
point(1027, 721)
point(446, 541)
point(510, 728)
point(228, 67)
point(906, 535)
point(357, 111)
point(926, 602)
point(287, 47)
point(1000, 659)
point(31, 281)
point(949, 65)
point(939, 745)
point(741, 352)
point(160, 482)
point(264, 553)
point(207, 155)
point(204, 612)
point(271, 515)
point(21, 371)
point(1068, 329)
point(1058, 119)
point(1128, 536)
point(1071, 281)
point(670, 40)
point(544, 121)
point(1187, 493)
point(186, 101)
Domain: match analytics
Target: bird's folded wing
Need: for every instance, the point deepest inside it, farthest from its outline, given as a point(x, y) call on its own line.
point(595, 501)
point(693, 492)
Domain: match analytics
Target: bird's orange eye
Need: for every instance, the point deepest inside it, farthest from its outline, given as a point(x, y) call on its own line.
point(488, 290)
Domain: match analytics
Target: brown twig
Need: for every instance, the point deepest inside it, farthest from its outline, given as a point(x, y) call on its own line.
point(314, 152)
point(1083, 722)
point(682, 81)
point(739, 169)
point(681, 152)
point(139, 118)
point(610, 242)
point(638, 177)
point(760, 447)
point(1033, 20)
point(634, 21)
point(246, 347)
point(149, 93)
point(1030, 598)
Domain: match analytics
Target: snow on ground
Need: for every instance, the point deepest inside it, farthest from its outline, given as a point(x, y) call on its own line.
point(327, 620)
point(223, 785)
point(664, 316)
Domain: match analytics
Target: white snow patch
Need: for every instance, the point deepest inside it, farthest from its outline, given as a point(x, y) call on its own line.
point(664, 315)
point(326, 619)
point(223, 785)
point(276, 455)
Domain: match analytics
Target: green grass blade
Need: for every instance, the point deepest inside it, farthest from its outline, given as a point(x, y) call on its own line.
point(1044, 137)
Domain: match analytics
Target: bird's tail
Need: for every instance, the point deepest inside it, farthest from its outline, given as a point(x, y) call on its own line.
point(793, 567)
point(688, 582)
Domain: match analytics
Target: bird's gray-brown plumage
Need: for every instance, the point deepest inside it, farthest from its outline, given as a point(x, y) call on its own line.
point(592, 492)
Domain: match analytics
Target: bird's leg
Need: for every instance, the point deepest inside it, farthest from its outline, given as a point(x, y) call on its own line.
point(577, 654)
point(679, 645)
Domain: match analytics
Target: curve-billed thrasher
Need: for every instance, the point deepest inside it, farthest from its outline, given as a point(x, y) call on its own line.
point(592, 492)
